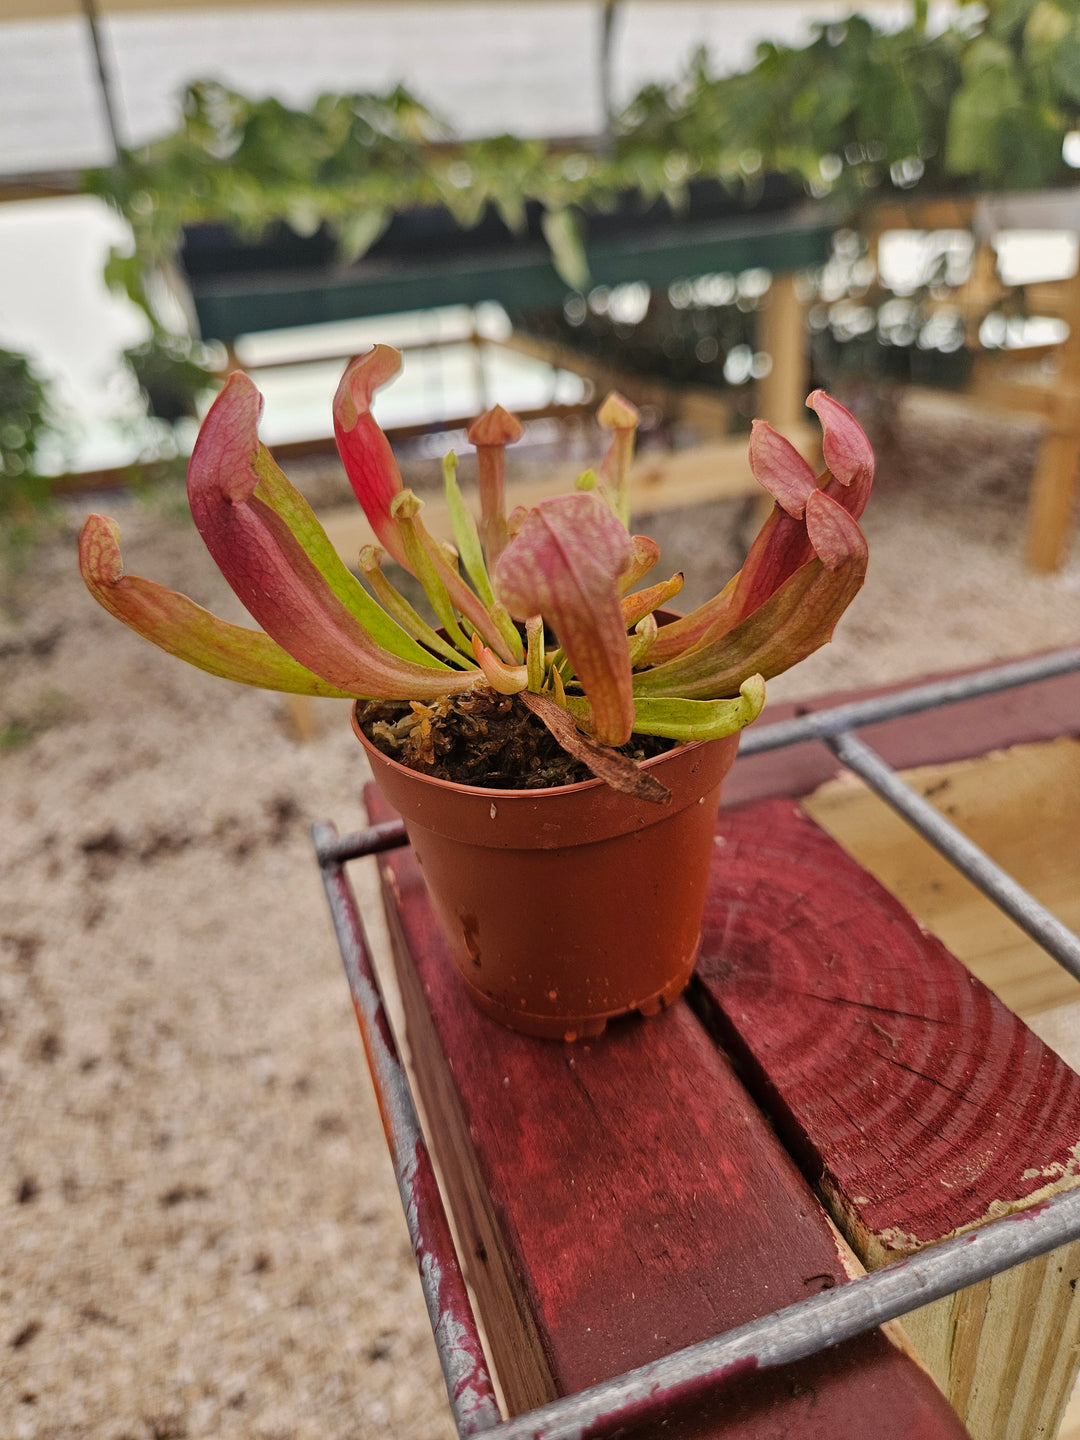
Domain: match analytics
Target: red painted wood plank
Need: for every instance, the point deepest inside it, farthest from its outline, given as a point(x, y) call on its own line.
point(900, 1081)
point(1031, 713)
point(639, 1202)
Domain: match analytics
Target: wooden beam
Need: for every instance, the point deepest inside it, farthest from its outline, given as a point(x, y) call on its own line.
point(920, 213)
point(782, 334)
point(709, 411)
point(1054, 396)
point(41, 185)
point(1050, 508)
point(918, 1103)
point(621, 1198)
point(1019, 805)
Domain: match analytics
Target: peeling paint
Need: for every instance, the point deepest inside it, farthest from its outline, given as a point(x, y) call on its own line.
point(1057, 1170)
point(468, 1382)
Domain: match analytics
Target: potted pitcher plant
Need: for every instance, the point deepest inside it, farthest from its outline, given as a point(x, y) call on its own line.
point(554, 739)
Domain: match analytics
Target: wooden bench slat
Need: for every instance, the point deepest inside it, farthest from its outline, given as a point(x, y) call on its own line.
point(915, 1100)
point(622, 1198)
point(1043, 710)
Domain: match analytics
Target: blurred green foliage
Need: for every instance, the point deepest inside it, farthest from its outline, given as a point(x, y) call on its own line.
point(985, 102)
point(26, 415)
point(857, 114)
point(173, 373)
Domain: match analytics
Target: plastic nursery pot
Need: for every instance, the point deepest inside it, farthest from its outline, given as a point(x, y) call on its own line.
point(566, 907)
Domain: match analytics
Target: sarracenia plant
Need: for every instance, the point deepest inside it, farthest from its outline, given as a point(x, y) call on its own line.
point(549, 610)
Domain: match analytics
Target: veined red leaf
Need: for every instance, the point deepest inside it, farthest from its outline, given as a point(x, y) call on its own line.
point(847, 451)
point(298, 517)
point(794, 622)
point(179, 626)
point(778, 466)
point(364, 449)
point(565, 564)
point(783, 545)
point(833, 533)
point(273, 575)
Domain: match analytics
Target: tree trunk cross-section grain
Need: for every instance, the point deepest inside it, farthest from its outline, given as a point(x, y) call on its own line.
point(619, 1199)
point(914, 1100)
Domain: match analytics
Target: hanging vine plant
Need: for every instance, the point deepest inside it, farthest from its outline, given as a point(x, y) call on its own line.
point(855, 114)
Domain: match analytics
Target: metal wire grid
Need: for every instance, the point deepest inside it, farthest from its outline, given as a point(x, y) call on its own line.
point(801, 1329)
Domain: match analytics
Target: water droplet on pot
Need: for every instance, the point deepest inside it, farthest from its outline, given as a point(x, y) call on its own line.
point(494, 810)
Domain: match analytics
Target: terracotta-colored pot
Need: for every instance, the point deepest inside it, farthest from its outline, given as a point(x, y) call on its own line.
point(568, 906)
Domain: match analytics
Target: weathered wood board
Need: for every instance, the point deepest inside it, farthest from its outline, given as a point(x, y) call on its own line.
point(1070, 1423)
point(916, 1102)
point(1022, 806)
point(1041, 711)
point(622, 1198)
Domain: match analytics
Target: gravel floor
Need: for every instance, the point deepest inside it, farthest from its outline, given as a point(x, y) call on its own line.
point(202, 1234)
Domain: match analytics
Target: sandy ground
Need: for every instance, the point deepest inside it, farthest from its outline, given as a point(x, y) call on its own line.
point(201, 1232)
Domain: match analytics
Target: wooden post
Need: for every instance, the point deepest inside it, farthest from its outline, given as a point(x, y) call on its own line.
point(1054, 394)
point(303, 717)
point(618, 1199)
point(994, 800)
point(1053, 485)
point(918, 1104)
point(1050, 506)
point(782, 393)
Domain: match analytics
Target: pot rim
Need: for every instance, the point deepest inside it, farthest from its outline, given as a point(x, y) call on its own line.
point(496, 793)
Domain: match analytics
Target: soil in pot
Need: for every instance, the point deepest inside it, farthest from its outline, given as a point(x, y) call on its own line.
point(564, 906)
point(481, 738)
